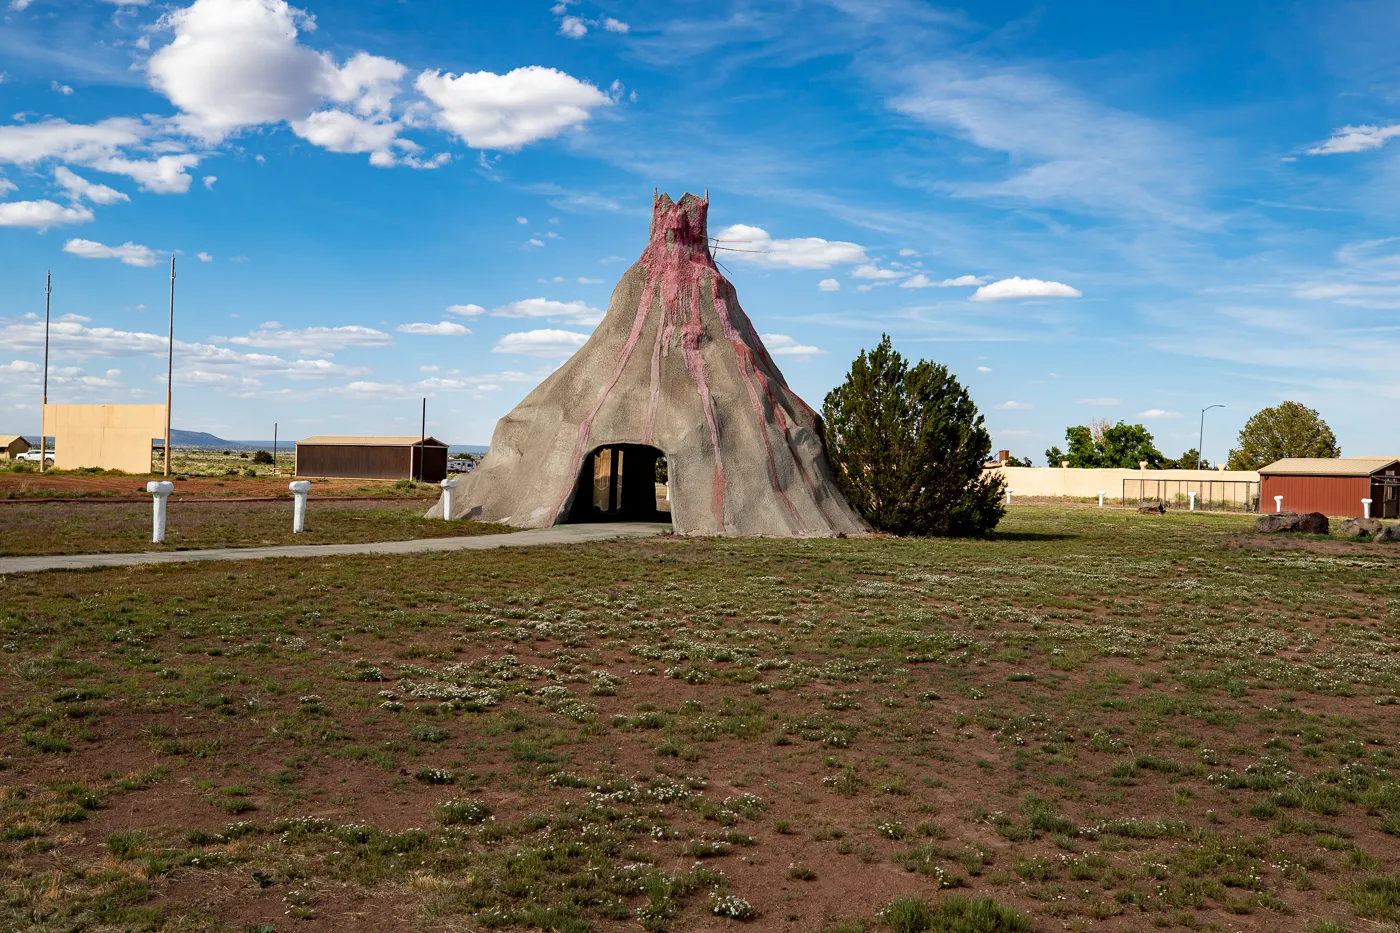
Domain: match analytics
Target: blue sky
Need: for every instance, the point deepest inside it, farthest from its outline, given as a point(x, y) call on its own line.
point(1083, 209)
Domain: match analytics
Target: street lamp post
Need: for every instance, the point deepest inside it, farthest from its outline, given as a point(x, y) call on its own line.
point(1201, 438)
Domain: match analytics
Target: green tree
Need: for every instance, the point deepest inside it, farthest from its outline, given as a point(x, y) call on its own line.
point(1122, 446)
point(907, 444)
point(1289, 429)
point(262, 456)
point(1187, 461)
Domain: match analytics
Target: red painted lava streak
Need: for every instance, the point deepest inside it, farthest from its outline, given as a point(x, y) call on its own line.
point(676, 256)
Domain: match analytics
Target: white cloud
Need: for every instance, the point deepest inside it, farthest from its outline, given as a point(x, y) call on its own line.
point(209, 182)
point(27, 143)
point(783, 345)
point(754, 245)
point(573, 27)
point(7, 186)
point(585, 280)
point(869, 271)
point(567, 312)
point(19, 366)
point(368, 391)
point(522, 220)
point(466, 310)
point(63, 89)
point(163, 175)
point(41, 214)
point(237, 63)
point(907, 253)
point(75, 339)
point(483, 382)
point(532, 242)
point(338, 131)
point(1159, 413)
point(1103, 400)
point(829, 285)
point(1015, 406)
point(204, 257)
point(1357, 139)
point(491, 111)
point(79, 187)
point(310, 340)
point(440, 329)
point(542, 343)
point(132, 254)
point(1017, 287)
point(923, 281)
point(615, 25)
point(984, 369)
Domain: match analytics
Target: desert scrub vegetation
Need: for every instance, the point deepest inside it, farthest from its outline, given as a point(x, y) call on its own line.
point(1086, 720)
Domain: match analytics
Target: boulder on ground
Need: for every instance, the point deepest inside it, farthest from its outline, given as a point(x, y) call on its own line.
point(1275, 522)
point(1155, 508)
point(1388, 533)
point(1360, 528)
point(1312, 523)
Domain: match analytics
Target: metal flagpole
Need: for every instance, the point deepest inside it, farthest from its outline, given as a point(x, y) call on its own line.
point(169, 365)
point(44, 409)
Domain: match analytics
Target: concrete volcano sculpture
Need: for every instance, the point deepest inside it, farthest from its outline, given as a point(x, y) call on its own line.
point(674, 370)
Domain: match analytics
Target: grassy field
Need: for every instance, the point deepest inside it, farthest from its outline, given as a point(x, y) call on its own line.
point(106, 527)
point(1095, 720)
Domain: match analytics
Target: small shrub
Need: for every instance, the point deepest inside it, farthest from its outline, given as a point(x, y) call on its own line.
point(454, 812)
point(954, 915)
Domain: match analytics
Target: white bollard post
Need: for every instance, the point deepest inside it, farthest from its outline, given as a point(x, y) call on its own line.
point(447, 485)
point(1366, 508)
point(1008, 495)
point(1100, 498)
point(160, 491)
point(1193, 502)
point(1278, 503)
point(299, 489)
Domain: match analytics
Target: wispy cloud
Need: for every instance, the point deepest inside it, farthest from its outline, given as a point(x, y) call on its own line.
point(1356, 139)
point(755, 246)
point(543, 343)
point(783, 345)
point(440, 329)
point(1017, 287)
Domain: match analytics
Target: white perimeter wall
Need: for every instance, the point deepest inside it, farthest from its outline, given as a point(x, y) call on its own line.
point(1085, 484)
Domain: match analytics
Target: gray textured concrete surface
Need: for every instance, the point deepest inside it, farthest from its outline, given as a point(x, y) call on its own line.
point(560, 534)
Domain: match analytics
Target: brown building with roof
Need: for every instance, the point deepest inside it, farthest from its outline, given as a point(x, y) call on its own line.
point(12, 445)
point(389, 457)
point(1333, 486)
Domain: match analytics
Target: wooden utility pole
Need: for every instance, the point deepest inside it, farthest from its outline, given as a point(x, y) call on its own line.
point(423, 440)
point(169, 365)
point(44, 408)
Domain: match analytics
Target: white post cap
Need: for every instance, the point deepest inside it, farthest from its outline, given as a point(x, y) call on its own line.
point(449, 483)
point(300, 486)
point(161, 488)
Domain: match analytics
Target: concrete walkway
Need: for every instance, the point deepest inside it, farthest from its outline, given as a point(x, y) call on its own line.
point(560, 534)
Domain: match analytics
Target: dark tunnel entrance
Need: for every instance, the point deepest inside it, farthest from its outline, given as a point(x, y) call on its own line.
point(622, 483)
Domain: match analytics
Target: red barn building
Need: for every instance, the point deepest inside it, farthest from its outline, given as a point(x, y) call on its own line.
point(1333, 486)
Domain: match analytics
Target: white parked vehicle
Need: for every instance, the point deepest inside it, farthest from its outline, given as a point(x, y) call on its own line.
point(32, 456)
